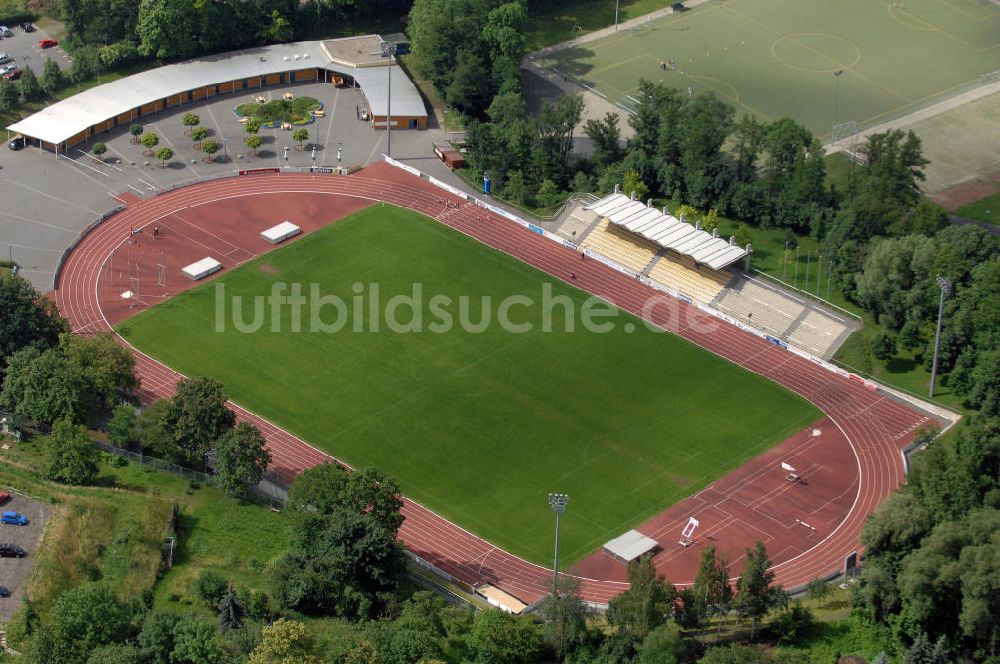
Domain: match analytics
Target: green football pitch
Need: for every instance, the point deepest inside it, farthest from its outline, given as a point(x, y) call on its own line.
point(777, 58)
point(478, 426)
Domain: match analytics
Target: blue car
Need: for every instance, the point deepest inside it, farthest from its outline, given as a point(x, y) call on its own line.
point(14, 519)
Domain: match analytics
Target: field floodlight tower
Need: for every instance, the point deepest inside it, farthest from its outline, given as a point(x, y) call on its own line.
point(558, 503)
point(945, 287)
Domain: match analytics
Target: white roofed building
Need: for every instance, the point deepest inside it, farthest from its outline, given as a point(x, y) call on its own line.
point(127, 100)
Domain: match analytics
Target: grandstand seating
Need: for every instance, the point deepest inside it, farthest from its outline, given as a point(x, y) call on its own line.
point(783, 315)
point(682, 274)
point(626, 249)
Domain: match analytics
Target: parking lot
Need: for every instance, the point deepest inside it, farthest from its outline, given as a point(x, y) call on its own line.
point(14, 572)
point(23, 50)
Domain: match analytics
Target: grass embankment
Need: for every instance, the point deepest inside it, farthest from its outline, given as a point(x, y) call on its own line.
point(985, 209)
point(478, 425)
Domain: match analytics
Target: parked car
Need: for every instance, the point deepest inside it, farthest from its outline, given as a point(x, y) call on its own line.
point(16, 143)
point(4, 592)
point(5, 58)
point(14, 519)
point(12, 74)
point(4, 496)
point(27, 26)
point(8, 550)
point(5, 31)
point(47, 43)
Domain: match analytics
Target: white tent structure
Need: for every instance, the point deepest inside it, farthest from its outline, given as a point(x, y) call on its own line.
point(668, 231)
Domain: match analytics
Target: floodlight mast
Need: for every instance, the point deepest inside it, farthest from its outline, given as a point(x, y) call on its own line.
point(388, 50)
point(558, 502)
point(945, 287)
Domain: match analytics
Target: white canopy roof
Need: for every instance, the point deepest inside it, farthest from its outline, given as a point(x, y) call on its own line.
point(69, 117)
point(630, 546)
point(668, 231)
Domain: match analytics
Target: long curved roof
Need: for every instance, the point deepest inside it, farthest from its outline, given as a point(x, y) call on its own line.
point(69, 117)
point(668, 231)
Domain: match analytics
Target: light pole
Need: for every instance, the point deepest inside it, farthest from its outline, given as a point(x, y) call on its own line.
point(558, 502)
point(945, 287)
point(388, 50)
point(616, 14)
point(836, 103)
point(286, 155)
point(340, 155)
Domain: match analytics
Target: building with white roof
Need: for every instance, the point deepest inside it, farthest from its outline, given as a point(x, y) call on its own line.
point(353, 60)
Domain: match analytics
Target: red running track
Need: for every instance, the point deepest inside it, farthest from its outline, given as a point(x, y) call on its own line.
point(876, 427)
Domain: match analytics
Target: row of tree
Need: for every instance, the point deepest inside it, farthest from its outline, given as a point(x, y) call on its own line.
point(932, 569)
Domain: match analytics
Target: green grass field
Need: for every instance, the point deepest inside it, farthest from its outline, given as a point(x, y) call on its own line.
point(777, 58)
point(479, 426)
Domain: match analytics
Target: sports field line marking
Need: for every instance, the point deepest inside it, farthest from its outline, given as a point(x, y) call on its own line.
point(935, 28)
point(619, 63)
point(809, 48)
point(224, 241)
point(967, 14)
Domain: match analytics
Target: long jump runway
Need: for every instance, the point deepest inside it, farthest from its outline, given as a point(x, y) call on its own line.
point(848, 465)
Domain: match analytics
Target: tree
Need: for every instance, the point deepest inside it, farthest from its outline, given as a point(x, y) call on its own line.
point(52, 77)
point(196, 416)
point(116, 653)
point(279, 29)
point(605, 135)
point(163, 155)
point(73, 633)
point(500, 637)
point(327, 488)
point(711, 589)
point(663, 645)
point(284, 641)
point(152, 435)
point(26, 319)
point(251, 126)
point(344, 564)
point(210, 587)
point(136, 131)
point(231, 611)
point(195, 642)
point(209, 148)
point(85, 64)
point(156, 638)
point(72, 458)
point(190, 120)
point(108, 367)
point(300, 136)
point(166, 29)
point(549, 195)
point(884, 346)
point(565, 617)
point(198, 134)
point(633, 184)
point(99, 149)
point(121, 426)
point(28, 85)
point(645, 605)
point(241, 458)
point(8, 96)
point(253, 142)
point(45, 387)
point(742, 235)
point(710, 221)
point(149, 141)
point(755, 596)
point(516, 189)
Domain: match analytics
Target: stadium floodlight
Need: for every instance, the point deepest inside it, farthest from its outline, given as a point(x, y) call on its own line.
point(945, 287)
point(558, 502)
point(388, 50)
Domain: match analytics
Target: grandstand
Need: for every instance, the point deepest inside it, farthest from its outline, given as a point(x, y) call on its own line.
point(629, 251)
point(683, 275)
point(699, 266)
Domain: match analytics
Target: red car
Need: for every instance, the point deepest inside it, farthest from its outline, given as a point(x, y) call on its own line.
point(4, 497)
point(47, 43)
point(12, 74)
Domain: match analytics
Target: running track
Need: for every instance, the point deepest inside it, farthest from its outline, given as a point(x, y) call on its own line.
point(877, 427)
